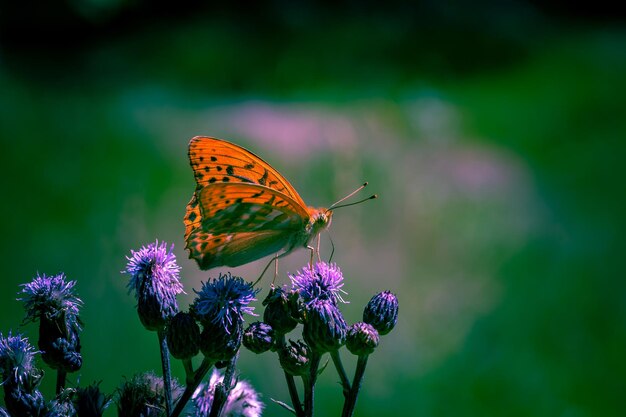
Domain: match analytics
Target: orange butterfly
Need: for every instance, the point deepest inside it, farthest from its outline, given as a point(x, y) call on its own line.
point(243, 209)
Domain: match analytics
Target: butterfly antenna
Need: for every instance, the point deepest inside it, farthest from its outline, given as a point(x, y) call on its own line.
point(334, 205)
point(372, 197)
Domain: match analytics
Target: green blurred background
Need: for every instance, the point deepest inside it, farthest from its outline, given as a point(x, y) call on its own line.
point(493, 132)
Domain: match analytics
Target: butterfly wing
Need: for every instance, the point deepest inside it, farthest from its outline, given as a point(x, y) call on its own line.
point(215, 160)
point(242, 209)
point(233, 249)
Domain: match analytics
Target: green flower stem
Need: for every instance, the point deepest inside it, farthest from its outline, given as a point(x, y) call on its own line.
point(291, 385)
point(345, 382)
point(189, 376)
point(309, 384)
point(198, 376)
point(348, 405)
point(220, 396)
point(167, 377)
point(61, 374)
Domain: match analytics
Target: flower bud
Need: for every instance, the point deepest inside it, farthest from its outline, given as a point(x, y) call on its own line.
point(278, 312)
point(90, 401)
point(324, 326)
point(220, 342)
point(295, 358)
point(258, 337)
point(362, 339)
point(382, 312)
point(183, 336)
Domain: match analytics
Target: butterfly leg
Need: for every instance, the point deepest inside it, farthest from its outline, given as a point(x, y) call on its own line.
point(274, 259)
point(319, 238)
point(312, 249)
point(275, 268)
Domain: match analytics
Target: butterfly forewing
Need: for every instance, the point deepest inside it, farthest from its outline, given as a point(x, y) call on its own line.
point(215, 160)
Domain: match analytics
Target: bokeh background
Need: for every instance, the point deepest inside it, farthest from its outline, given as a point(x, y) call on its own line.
point(493, 132)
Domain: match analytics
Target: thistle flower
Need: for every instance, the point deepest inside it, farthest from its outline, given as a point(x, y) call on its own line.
point(17, 357)
point(52, 298)
point(183, 336)
point(362, 339)
point(382, 312)
point(295, 358)
point(323, 282)
point(324, 326)
point(143, 396)
point(22, 403)
point(243, 400)
point(258, 337)
point(277, 311)
point(62, 405)
point(51, 301)
point(223, 300)
point(155, 282)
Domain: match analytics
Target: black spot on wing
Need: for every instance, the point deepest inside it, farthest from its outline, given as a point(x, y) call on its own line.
point(263, 179)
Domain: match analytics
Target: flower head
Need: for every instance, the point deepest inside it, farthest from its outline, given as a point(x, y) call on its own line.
point(224, 300)
point(17, 357)
point(143, 395)
point(382, 312)
point(322, 282)
point(324, 326)
point(52, 298)
point(243, 400)
point(155, 282)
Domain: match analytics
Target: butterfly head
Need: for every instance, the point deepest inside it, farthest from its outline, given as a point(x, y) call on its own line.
point(320, 219)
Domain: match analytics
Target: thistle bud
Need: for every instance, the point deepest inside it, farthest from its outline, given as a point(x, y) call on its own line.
point(324, 326)
point(362, 339)
point(382, 312)
point(183, 336)
point(220, 342)
point(295, 358)
point(258, 337)
point(278, 312)
point(90, 401)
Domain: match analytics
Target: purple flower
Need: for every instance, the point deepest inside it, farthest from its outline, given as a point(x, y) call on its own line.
point(155, 282)
point(17, 358)
point(324, 326)
point(51, 298)
point(323, 282)
point(51, 301)
point(382, 312)
point(224, 300)
point(243, 400)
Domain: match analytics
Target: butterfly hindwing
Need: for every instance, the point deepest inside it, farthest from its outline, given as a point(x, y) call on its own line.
point(234, 249)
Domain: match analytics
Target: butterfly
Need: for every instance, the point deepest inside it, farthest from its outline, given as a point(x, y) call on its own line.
point(243, 209)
